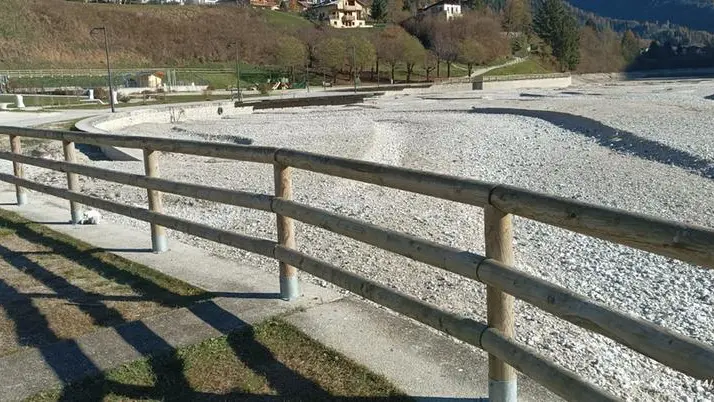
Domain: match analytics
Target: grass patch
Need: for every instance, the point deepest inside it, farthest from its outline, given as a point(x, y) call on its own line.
point(270, 361)
point(54, 287)
point(66, 125)
point(529, 66)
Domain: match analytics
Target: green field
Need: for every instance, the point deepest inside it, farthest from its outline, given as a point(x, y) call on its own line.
point(525, 67)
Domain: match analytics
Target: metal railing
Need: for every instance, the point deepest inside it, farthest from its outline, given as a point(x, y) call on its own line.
point(688, 243)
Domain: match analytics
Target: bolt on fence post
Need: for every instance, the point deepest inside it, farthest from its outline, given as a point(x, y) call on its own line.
point(289, 287)
point(159, 242)
point(72, 179)
point(502, 386)
point(17, 170)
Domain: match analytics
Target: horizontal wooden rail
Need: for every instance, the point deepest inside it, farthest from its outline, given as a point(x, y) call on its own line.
point(449, 258)
point(688, 243)
point(200, 148)
point(682, 353)
point(231, 197)
point(559, 380)
point(452, 188)
point(677, 351)
point(255, 245)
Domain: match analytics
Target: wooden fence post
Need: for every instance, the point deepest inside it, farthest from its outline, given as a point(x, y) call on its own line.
point(17, 169)
point(72, 179)
point(502, 386)
point(159, 242)
point(289, 287)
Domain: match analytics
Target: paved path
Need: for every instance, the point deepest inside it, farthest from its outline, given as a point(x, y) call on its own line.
point(484, 70)
point(416, 359)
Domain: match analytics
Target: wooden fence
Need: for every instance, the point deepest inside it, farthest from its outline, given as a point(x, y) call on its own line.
point(504, 282)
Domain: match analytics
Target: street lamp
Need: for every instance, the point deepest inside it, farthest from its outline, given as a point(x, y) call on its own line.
point(109, 70)
point(238, 93)
point(354, 67)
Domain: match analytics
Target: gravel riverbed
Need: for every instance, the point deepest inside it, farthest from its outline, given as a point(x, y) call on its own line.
point(646, 147)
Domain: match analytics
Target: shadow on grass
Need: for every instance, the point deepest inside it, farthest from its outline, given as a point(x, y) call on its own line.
point(621, 141)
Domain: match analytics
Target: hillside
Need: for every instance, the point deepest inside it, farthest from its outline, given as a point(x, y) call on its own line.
point(55, 33)
point(693, 14)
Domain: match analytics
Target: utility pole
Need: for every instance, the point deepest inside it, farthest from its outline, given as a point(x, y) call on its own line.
point(109, 69)
point(354, 67)
point(307, 75)
point(239, 95)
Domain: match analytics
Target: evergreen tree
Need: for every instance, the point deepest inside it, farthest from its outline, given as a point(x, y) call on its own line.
point(630, 46)
point(517, 16)
point(557, 26)
point(379, 10)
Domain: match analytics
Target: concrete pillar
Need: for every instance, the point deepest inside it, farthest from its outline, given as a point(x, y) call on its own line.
point(90, 94)
point(19, 102)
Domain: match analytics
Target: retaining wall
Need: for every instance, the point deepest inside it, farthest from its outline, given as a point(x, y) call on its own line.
point(113, 122)
point(523, 81)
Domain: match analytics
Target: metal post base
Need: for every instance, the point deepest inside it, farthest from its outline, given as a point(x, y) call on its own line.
point(160, 243)
point(22, 198)
point(502, 391)
point(76, 217)
point(289, 288)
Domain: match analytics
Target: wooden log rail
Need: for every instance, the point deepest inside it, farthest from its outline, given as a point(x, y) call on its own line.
point(688, 243)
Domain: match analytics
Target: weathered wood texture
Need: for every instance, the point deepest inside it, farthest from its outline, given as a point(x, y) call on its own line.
point(254, 245)
point(498, 232)
point(674, 350)
point(16, 148)
point(559, 380)
point(72, 178)
point(442, 186)
point(231, 197)
point(201, 148)
point(688, 243)
point(286, 231)
point(158, 233)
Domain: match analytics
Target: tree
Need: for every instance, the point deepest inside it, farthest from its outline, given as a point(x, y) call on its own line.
point(290, 52)
point(472, 52)
point(361, 54)
point(330, 55)
point(389, 46)
point(517, 16)
point(378, 11)
point(431, 61)
point(557, 26)
point(413, 53)
point(630, 46)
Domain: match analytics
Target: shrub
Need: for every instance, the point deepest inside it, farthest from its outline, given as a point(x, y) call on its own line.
point(264, 88)
point(101, 93)
point(123, 98)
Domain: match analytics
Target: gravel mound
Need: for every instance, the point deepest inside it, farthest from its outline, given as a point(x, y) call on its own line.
point(523, 149)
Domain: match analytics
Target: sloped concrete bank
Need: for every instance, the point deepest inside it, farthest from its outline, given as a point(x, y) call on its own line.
point(114, 122)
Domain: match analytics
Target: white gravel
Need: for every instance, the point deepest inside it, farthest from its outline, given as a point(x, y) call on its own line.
point(441, 133)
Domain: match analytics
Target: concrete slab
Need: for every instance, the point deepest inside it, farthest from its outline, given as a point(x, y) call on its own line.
point(23, 374)
point(418, 360)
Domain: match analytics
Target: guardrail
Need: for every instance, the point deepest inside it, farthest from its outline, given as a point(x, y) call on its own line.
point(688, 243)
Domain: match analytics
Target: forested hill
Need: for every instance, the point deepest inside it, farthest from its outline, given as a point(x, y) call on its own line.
point(693, 14)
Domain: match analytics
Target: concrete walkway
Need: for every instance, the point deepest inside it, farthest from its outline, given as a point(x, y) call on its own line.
point(416, 359)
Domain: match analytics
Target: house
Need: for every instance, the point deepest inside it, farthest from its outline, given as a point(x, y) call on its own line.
point(148, 80)
point(448, 8)
point(269, 4)
point(343, 13)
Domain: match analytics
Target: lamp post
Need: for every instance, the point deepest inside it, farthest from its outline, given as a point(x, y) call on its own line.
point(238, 93)
point(354, 67)
point(109, 70)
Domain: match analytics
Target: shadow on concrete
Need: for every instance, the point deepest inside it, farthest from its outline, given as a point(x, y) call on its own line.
point(83, 379)
point(710, 97)
point(621, 141)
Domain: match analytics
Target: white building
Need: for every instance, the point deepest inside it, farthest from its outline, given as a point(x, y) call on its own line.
point(449, 8)
point(343, 13)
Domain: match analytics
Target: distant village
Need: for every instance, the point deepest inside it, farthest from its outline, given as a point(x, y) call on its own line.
point(339, 13)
